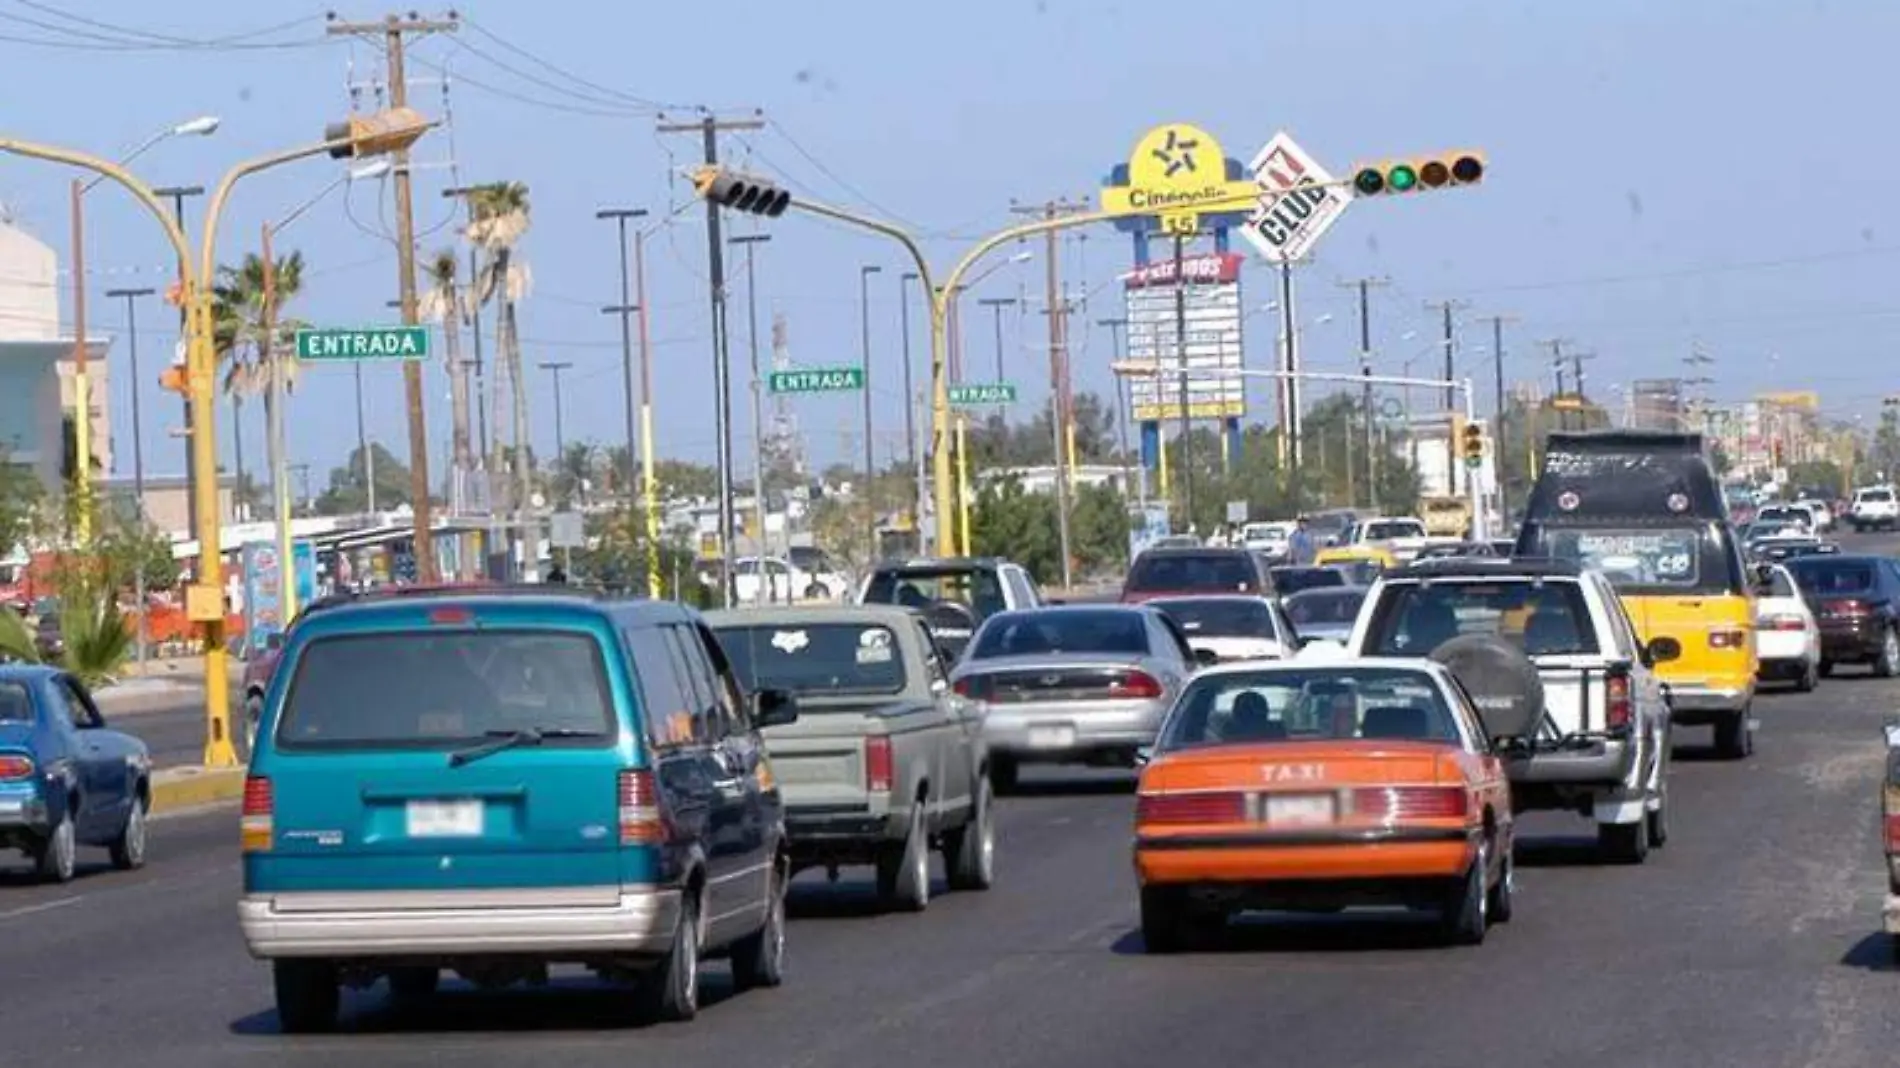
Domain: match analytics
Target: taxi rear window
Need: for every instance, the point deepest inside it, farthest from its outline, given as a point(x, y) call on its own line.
point(1320, 704)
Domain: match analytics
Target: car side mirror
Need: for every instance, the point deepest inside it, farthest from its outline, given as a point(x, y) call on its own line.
point(774, 708)
point(1206, 657)
point(1661, 650)
point(1144, 755)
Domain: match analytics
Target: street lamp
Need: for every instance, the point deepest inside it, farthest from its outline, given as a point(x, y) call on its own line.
point(751, 242)
point(138, 445)
point(870, 469)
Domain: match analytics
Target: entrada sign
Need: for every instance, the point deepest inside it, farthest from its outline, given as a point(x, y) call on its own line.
point(368, 343)
point(818, 380)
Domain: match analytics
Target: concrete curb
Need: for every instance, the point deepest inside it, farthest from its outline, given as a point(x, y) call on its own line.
point(193, 787)
point(131, 702)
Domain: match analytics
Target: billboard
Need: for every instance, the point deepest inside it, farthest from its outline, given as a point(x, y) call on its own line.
point(263, 587)
point(1212, 312)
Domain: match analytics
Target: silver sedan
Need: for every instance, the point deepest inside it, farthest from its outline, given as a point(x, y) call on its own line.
point(1073, 684)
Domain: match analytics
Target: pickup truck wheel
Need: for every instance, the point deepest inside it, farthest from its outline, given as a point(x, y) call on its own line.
point(759, 958)
point(1467, 913)
point(308, 995)
point(1657, 821)
point(1624, 843)
point(1810, 677)
point(970, 850)
point(903, 872)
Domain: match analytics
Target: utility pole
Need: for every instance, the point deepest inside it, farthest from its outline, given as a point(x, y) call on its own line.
point(560, 432)
point(870, 455)
point(1115, 328)
point(1365, 286)
point(751, 242)
point(394, 31)
point(910, 406)
point(625, 310)
point(1557, 367)
point(1497, 420)
point(138, 446)
point(709, 127)
point(997, 304)
point(1060, 402)
point(177, 194)
point(1450, 341)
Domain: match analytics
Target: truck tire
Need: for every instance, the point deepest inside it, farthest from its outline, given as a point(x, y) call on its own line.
point(1624, 843)
point(903, 871)
point(970, 850)
point(1734, 740)
point(1503, 682)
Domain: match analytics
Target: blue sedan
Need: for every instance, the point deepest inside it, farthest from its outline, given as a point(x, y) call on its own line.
point(66, 780)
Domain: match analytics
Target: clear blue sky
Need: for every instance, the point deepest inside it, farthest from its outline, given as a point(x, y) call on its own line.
point(1661, 173)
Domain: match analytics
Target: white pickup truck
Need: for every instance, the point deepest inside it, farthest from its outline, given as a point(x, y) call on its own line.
point(1554, 666)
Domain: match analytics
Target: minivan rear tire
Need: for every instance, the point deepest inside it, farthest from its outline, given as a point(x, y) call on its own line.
point(670, 992)
point(308, 995)
point(758, 959)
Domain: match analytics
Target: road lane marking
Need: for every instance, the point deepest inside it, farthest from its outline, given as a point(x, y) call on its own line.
point(44, 906)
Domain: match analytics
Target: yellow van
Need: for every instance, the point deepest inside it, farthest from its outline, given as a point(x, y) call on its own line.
point(1645, 509)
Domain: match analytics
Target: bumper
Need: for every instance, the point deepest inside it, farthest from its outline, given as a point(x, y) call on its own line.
point(1072, 733)
point(23, 814)
point(1850, 642)
point(1608, 761)
point(819, 832)
point(1691, 703)
point(1252, 859)
point(1781, 647)
point(639, 922)
point(1891, 912)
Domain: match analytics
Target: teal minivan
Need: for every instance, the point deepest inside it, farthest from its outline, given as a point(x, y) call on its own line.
point(496, 782)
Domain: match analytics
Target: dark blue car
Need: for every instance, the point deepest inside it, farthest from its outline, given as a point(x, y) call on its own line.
point(66, 779)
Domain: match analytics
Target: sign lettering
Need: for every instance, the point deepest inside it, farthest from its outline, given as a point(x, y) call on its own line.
point(367, 343)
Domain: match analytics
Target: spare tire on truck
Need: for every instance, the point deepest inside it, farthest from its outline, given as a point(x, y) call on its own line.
point(1502, 681)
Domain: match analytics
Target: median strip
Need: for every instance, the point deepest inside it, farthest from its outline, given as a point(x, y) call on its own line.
point(190, 787)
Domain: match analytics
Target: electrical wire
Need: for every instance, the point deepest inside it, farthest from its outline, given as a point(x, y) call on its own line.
point(523, 98)
point(629, 98)
point(129, 39)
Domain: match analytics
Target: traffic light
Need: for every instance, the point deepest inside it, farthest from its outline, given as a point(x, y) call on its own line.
point(1413, 175)
point(375, 135)
point(742, 192)
point(1474, 445)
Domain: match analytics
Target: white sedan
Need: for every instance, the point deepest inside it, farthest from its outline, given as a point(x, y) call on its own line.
point(1787, 641)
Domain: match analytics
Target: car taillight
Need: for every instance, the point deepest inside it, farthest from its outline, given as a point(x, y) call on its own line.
point(1849, 608)
point(1393, 803)
point(1893, 835)
point(255, 830)
point(1727, 639)
point(1619, 701)
point(640, 822)
point(973, 688)
point(877, 765)
point(14, 767)
point(1783, 622)
point(1135, 685)
point(1203, 807)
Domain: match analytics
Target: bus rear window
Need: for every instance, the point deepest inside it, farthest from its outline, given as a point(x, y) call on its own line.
point(1634, 558)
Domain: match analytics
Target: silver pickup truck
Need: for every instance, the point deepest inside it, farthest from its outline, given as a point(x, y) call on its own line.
point(884, 764)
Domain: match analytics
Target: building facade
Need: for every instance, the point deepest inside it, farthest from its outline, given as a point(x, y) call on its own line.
point(36, 362)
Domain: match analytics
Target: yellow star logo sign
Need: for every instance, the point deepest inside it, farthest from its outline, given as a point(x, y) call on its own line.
point(1177, 172)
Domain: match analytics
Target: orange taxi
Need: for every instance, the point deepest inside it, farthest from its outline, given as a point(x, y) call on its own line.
point(1318, 786)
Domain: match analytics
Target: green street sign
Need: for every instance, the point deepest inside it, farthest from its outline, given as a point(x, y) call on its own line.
point(818, 380)
point(976, 394)
point(366, 343)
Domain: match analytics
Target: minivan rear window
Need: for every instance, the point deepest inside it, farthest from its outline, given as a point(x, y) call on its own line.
point(430, 690)
point(1228, 572)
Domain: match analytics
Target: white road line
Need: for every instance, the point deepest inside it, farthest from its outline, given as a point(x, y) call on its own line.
point(44, 906)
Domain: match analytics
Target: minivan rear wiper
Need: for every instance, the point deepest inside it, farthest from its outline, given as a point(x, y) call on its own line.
point(497, 741)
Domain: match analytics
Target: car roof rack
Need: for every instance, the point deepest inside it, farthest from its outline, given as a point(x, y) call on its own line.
point(455, 589)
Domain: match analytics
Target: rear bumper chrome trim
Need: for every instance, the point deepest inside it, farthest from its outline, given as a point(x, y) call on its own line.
point(1268, 839)
point(561, 921)
point(1701, 697)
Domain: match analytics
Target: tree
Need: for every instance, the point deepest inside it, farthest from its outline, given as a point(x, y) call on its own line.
point(1008, 521)
point(348, 494)
point(501, 220)
point(615, 559)
point(252, 338)
point(573, 470)
point(1719, 461)
point(89, 575)
point(1823, 475)
point(444, 303)
point(997, 442)
point(21, 498)
point(685, 479)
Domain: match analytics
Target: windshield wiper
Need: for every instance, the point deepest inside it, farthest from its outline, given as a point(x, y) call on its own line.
point(498, 741)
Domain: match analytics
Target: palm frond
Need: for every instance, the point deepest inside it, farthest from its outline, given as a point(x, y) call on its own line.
point(98, 642)
point(16, 640)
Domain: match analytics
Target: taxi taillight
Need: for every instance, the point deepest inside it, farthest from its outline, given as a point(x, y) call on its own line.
point(1203, 806)
point(640, 822)
point(1397, 803)
point(255, 818)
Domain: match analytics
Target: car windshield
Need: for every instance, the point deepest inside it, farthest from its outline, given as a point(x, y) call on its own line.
point(1877, 496)
point(16, 705)
point(1387, 529)
point(443, 689)
point(1652, 558)
point(820, 658)
point(1317, 704)
point(1768, 529)
point(1113, 631)
point(1288, 580)
point(1324, 608)
point(1221, 617)
point(977, 589)
point(1541, 618)
point(1231, 572)
point(1831, 578)
point(1786, 515)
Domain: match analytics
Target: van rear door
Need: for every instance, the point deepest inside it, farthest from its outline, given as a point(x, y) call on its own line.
point(447, 753)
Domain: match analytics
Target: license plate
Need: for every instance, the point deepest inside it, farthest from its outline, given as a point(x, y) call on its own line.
point(1051, 737)
point(1300, 810)
point(12, 807)
point(445, 819)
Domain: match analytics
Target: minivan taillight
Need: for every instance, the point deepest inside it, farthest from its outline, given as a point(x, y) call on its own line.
point(255, 824)
point(1727, 639)
point(1621, 704)
point(640, 822)
point(877, 765)
point(15, 766)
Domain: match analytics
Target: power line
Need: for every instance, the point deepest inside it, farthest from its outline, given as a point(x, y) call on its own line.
point(563, 72)
point(132, 39)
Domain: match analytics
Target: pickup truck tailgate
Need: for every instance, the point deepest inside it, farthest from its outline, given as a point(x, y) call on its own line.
point(1574, 696)
point(819, 760)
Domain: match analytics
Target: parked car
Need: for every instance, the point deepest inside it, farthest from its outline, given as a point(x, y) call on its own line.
point(1268, 539)
point(955, 595)
point(1232, 627)
point(1856, 603)
point(1298, 786)
point(1073, 684)
point(1787, 639)
point(1205, 570)
point(503, 780)
point(884, 764)
point(1324, 614)
point(1550, 656)
point(1822, 511)
point(783, 582)
point(67, 779)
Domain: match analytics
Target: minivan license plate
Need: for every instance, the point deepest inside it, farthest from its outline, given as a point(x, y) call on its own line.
point(445, 819)
point(1300, 810)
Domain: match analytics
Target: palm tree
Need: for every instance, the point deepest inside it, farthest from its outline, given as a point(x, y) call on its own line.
point(251, 359)
point(444, 304)
point(501, 219)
